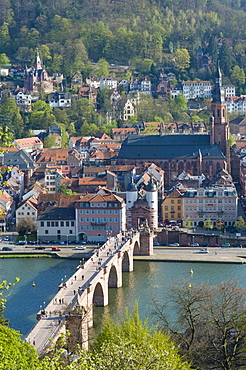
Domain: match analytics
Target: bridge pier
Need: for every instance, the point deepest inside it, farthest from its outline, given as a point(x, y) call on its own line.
point(146, 243)
point(89, 286)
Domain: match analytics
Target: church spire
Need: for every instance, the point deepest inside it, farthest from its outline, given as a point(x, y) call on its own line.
point(38, 64)
point(218, 94)
point(218, 104)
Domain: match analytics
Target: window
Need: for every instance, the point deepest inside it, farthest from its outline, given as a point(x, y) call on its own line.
point(179, 215)
point(166, 208)
point(172, 201)
point(179, 208)
point(70, 231)
point(172, 208)
point(67, 223)
point(56, 223)
point(166, 215)
point(42, 223)
point(62, 223)
point(72, 223)
point(52, 224)
point(46, 231)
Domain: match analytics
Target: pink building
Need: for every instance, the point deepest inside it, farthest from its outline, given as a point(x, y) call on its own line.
point(100, 215)
point(217, 203)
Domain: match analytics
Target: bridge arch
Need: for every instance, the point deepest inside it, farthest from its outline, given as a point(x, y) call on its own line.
point(136, 248)
point(98, 296)
point(113, 278)
point(126, 262)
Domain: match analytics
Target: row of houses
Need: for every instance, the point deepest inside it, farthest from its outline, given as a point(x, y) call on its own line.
point(194, 199)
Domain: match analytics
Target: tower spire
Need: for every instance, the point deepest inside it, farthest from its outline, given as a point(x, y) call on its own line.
point(38, 62)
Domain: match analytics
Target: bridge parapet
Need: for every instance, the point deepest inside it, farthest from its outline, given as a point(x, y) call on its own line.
point(89, 286)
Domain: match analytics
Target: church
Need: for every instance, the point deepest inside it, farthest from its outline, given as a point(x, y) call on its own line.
point(195, 153)
point(37, 77)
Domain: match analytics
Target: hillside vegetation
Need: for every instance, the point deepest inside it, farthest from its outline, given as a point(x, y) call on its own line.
point(69, 33)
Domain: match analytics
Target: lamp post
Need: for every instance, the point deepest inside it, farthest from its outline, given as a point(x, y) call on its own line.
point(67, 239)
point(37, 236)
point(193, 243)
point(25, 236)
point(167, 236)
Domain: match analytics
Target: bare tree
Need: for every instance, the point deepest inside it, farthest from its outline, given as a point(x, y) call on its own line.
point(210, 324)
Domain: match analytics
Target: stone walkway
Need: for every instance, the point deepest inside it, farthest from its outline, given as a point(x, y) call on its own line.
point(53, 315)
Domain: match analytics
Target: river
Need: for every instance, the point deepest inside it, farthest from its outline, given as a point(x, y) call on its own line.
point(148, 281)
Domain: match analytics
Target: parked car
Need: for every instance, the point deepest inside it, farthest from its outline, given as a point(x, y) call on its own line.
point(40, 248)
point(185, 245)
point(56, 249)
point(203, 250)
point(236, 245)
point(225, 245)
point(214, 245)
point(174, 245)
point(80, 247)
point(195, 245)
point(6, 249)
point(204, 245)
point(155, 244)
point(7, 238)
point(165, 244)
point(21, 242)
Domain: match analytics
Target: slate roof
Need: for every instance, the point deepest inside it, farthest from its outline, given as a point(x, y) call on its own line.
point(21, 159)
point(58, 213)
point(154, 147)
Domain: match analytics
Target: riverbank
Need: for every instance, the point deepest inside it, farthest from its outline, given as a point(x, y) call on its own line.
point(214, 255)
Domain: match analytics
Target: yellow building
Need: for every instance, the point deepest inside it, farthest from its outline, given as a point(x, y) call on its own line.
point(172, 206)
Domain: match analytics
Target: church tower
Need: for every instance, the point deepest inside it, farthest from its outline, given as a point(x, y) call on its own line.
point(38, 64)
point(219, 132)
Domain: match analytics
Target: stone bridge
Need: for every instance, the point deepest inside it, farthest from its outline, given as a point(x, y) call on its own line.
point(89, 287)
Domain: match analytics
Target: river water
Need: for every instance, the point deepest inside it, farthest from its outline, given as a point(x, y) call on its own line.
point(149, 281)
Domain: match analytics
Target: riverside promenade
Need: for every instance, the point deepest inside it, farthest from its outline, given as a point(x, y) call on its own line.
point(189, 254)
point(52, 317)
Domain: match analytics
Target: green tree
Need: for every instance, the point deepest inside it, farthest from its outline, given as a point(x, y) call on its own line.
point(4, 59)
point(15, 354)
point(132, 344)
point(225, 58)
point(237, 76)
point(50, 142)
point(240, 223)
point(143, 65)
point(208, 224)
point(63, 189)
point(4, 293)
point(10, 111)
point(182, 59)
point(102, 67)
point(88, 129)
point(187, 223)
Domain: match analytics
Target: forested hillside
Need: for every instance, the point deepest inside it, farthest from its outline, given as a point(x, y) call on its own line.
point(69, 33)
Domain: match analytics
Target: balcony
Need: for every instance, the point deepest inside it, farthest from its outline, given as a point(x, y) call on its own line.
point(101, 223)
